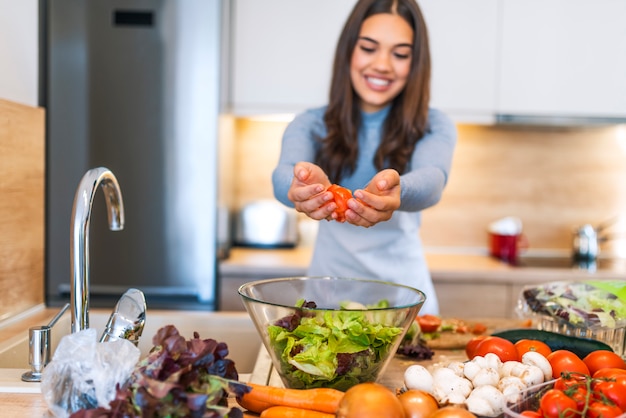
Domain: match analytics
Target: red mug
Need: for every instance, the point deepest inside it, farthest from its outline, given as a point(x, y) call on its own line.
point(506, 247)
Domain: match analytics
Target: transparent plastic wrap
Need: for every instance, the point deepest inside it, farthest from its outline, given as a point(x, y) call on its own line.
point(84, 373)
point(588, 309)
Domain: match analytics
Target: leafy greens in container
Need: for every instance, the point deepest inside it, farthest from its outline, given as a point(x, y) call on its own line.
point(338, 349)
point(589, 304)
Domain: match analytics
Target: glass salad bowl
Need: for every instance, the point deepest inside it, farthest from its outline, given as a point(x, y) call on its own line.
point(330, 331)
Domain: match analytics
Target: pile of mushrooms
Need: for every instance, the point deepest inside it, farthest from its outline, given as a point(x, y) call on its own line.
point(484, 384)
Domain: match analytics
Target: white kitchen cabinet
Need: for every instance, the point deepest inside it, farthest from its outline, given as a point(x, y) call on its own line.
point(19, 49)
point(563, 58)
point(282, 53)
point(464, 40)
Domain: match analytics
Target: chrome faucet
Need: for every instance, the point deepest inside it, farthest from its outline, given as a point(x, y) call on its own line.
point(79, 236)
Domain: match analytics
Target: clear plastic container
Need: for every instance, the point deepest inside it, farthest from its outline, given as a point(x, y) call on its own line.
point(589, 309)
point(614, 337)
point(530, 401)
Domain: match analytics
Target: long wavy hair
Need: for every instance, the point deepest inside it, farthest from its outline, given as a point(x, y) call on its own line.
point(408, 115)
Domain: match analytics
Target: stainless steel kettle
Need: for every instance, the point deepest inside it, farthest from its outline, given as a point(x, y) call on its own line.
point(585, 243)
point(587, 239)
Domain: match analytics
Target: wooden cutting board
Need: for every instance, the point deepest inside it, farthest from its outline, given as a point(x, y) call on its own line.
point(455, 340)
point(22, 173)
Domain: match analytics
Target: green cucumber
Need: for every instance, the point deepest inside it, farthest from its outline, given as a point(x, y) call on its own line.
point(577, 345)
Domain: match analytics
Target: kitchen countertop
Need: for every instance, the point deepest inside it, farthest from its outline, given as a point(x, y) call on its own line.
point(33, 405)
point(444, 267)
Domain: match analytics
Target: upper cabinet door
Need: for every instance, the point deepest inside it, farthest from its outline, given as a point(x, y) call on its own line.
point(464, 40)
point(283, 53)
point(563, 58)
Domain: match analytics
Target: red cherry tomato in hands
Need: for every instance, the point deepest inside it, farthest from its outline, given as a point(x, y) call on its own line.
point(341, 195)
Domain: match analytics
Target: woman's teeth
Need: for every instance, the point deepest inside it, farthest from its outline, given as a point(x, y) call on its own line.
point(378, 81)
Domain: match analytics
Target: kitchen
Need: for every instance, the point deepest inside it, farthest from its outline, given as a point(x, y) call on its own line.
point(553, 176)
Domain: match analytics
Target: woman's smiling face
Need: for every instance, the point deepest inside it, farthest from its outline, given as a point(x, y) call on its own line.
point(381, 60)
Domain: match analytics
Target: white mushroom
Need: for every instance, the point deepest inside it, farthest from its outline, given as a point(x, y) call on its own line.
point(486, 376)
point(471, 369)
point(486, 401)
point(458, 367)
point(511, 387)
point(530, 375)
point(532, 358)
point(508, 366)
point(493, 361)
point(418, 377)
point(450, 388)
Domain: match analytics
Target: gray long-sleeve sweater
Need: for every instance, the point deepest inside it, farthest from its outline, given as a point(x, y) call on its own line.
point(389, 250)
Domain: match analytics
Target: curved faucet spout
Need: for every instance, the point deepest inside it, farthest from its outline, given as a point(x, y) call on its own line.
point(79, 236)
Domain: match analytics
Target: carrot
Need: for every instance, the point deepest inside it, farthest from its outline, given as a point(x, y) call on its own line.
point(253, 404)
point(292, 412)
point(317, 399)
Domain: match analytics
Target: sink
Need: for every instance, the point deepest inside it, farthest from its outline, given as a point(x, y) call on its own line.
point(234, 328)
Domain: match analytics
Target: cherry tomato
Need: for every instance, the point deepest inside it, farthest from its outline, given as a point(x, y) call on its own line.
point(568, 381)
point(479, 328)
point(470, 347)
point(601, 359)
point(580, 396)
point(564, 361)
point(556, 404)
point(613, 388)
point(341, 196)
point(526, 345)
point(501, 347)
point(531, 414)
point(609, 372)
point(600, 409)
point(429, 323)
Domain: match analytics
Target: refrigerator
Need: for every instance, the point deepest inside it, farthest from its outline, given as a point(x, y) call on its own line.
point(135, 86)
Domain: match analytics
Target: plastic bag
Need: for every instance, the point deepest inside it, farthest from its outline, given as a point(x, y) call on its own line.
point(84, 373)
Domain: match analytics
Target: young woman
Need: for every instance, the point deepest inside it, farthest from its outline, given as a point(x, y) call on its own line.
point(377, 137)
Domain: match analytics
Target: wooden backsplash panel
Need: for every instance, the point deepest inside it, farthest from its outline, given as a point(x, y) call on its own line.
point(22, 159)
point(553, 179)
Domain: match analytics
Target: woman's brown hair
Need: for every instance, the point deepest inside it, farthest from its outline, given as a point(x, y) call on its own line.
point(408, 115)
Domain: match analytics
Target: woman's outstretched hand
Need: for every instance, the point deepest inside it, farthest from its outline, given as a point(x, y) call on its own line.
point(308, 191)
point(377, 202)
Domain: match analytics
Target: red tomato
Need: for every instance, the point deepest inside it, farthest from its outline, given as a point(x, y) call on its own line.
point(568, 381)
point(429, 323)
point(600, 409)
point(613, 388)
point(580, 396)
point(341, 196)
point(501, 347)
point(609, 372)
point(564, 361)
point(524, 346)
point(556, 404)
point(601, 359)
point(479, 328)
point(531, 414)
point(470, 347)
